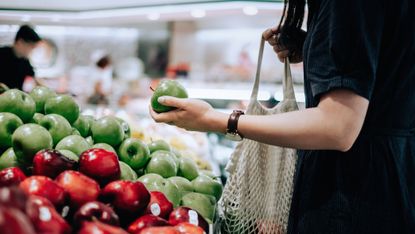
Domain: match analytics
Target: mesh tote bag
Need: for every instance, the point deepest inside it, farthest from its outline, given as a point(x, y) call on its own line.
point(257, 195)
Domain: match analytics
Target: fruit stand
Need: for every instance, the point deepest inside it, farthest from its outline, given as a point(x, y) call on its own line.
point(64, 169)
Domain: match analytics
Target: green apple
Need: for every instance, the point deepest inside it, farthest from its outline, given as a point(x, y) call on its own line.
point(91, 141)
point(187, 168)
point(36, 118)
point(149, 178)
point(83, 125)
point(40, 94)
point(57, 126)
point(184, 185)
point(202, 203)
point(162, 164)
point(205, 184)
point(91, 120)
point(167, 88)
point(8, 159)
point(63, 105)
point(69, 154)
point(107, 130)
point(104, 146)
point(176, 152)
point(127, 173)
point(125, 127)
point(27, 140)
point(74, 143)
point(169, 189)
point(134, 152)
point(9, 122)
point(3, 88)
point(75, 132)
point(211, 174)
point(158, 145)
point(18, 103)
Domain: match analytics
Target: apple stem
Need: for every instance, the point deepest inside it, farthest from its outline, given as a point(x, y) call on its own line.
point(151, 88)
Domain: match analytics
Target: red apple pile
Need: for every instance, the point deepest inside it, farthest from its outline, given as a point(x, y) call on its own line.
point(63, 172)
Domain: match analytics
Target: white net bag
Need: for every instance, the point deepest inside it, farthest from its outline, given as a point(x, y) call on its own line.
point(257, 195)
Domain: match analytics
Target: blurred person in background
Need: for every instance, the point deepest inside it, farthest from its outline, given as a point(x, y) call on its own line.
point(356, 166)
point(101, 77)
point(15, 66)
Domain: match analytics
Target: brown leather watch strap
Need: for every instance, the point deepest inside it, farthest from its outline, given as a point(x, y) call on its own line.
point(233, 121)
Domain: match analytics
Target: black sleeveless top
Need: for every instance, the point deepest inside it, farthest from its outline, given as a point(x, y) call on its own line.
point(366, 46)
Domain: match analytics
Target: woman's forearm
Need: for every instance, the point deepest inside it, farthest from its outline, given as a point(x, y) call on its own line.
point(333, 125)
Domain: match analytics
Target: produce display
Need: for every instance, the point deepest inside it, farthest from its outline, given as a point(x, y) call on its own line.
point(65, 172)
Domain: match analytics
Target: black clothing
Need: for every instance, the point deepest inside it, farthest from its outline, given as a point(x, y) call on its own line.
point(13, 70)
point(368, 47)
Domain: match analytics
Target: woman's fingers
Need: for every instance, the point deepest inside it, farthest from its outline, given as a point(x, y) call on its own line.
point(281, 54)
point(269, 32)
point(172, 101)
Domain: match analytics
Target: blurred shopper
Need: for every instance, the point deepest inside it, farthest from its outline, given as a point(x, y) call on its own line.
point(102, 81)
point(356, 167)
point(14, 64)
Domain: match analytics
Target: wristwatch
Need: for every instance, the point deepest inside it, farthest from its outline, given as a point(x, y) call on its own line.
point(232, 129)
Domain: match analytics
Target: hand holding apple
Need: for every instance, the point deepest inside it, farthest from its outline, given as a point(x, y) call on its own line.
point(191, 114)
point(167, 88)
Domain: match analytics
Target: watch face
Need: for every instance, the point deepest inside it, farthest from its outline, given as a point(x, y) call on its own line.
point(233, 136)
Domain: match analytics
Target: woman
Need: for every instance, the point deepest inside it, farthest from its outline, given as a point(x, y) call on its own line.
point(356, 168)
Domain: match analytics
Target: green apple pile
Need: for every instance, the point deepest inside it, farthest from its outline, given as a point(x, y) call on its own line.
point(179, 178)
point(42, 119)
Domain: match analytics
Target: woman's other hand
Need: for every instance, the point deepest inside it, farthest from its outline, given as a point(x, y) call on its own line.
point(191, 114)
point(272, 36)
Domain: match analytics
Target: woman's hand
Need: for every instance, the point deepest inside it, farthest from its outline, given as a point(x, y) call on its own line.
point(191, 114)
point(272, 36)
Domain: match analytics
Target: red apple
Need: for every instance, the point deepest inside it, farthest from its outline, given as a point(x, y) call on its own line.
point(146, 221)
point(51, 163)
point(14, 221)
point(158, 230)
point(97, 227)
point(96, 211)
point(187, 215)
point(188, 228)
point(11, 176)
point(14, 197)
point(44, 187)
point(44, 216)
point(159, 205)
point(126, 196)
point(80, 188)
point(100, 164)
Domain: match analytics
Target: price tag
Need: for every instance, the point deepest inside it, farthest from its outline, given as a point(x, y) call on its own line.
point(193, 217)
point(155, 209)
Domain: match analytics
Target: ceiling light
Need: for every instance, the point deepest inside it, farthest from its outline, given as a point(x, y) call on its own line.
point(250, 10)
point(198, 13)
point(153, 16)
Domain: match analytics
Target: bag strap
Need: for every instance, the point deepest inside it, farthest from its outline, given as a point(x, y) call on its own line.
point(287, 81)
point(288, 89)
point(254, 94)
